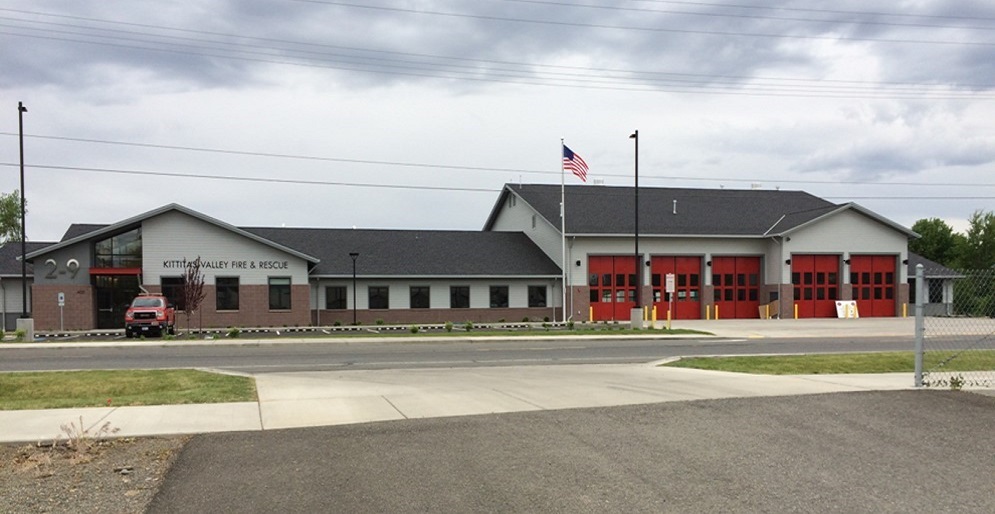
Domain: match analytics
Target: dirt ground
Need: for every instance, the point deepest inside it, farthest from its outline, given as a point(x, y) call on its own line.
point(110, 476)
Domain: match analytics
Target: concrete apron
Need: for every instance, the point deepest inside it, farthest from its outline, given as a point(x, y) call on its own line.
point(302, 399)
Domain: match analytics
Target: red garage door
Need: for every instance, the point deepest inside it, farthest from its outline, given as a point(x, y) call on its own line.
point(873, 280)
point(736, 286)
point(816, 284)
point(687, 284)
point(612, 280)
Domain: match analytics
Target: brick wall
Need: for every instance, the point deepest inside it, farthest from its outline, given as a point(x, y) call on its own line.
point(253, 310)
point(78, 314)
point(409, 316)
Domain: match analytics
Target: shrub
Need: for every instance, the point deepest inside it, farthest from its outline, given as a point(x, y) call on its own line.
point(570, 325)
point(379, 321)
point(233, 332)
point(525, 319)
point(546, 319)
point(337, 324)
point(449, 326)
point(469, 326)
point(19, 335)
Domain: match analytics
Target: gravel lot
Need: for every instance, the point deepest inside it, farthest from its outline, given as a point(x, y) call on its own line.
point(116, 476)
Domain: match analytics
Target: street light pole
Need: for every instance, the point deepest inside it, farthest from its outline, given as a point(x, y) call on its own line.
point(639, 264)
point(354, 255)
point(21, 109)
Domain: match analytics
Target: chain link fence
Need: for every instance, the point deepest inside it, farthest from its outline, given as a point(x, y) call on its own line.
point(955, 328)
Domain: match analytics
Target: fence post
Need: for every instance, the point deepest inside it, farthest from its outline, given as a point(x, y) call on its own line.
point(920, 323)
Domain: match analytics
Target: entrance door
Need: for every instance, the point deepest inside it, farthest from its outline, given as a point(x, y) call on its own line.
point(612, 281)
point(687, 284)
point(873, 281)
point(736, 286)
point(816, 284)
point(113, 295)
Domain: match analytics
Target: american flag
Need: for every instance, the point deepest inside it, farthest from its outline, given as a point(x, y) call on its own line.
point(574, 163)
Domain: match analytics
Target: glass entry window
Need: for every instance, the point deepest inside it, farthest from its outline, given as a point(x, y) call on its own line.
point(113, 296)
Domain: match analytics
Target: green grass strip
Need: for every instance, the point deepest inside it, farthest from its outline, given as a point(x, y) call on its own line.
point(55, 390)
point(842, 363)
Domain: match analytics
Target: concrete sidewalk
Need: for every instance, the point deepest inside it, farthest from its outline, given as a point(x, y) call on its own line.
point(306, 399)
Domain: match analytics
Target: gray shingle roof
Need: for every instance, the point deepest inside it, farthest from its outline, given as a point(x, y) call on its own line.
point(930, 269)
point(10, 253)
point(415, 252)
point(711, 212)
point(78, 229)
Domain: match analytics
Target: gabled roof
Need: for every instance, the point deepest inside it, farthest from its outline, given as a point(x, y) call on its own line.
point(854, 207)
point(667, 211)
point(10, 257)
point(930, 269)
point(108, 230)
point(428, 253)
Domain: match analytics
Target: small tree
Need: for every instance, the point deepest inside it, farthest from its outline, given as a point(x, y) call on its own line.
point(193, 289)
point(10, 217)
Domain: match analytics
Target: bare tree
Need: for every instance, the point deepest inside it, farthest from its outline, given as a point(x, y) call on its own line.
point(193, 289)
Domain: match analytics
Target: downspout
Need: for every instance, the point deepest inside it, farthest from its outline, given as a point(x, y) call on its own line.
point(3, 300)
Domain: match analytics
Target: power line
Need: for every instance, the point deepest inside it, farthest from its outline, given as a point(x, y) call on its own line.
point(754, 16)
point(640, 29)
point(477, 168)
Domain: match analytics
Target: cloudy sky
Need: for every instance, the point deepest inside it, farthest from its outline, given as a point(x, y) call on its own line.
point(413, 113)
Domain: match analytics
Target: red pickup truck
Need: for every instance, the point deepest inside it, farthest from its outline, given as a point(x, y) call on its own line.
point(148, 314)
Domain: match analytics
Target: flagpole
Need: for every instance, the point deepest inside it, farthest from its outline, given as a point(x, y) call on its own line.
point(563, 235)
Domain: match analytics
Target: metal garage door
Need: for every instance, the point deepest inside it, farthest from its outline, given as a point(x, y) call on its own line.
point(612, 281)
point(687, 284)
point(815, 280)
point(873, 279)
point(736, 287)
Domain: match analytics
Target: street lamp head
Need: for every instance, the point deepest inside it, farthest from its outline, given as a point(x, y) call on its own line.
point(634, 135)
point(353, 255)
point(21, 107)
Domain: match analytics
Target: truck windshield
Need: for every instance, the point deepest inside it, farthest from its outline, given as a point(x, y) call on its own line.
point(147, 302)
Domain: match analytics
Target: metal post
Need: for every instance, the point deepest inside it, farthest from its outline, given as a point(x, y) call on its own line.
point(21, 109)
point(354, 255)
point(920, 323)
point(639, 264)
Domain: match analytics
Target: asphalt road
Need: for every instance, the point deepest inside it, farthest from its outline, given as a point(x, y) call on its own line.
point(907, 451)
point(260, 356)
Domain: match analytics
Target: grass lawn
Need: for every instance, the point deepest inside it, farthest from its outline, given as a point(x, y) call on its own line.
point(63, 389)
point(840, 363)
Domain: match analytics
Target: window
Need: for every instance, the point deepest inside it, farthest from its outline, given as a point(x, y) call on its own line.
point(226, 290)
point(172, 288)
point(499, 296)
point(379, 297)
point(279, 293)
point(120, 251)
point(935, 290)
point(419, 297)
point(537, 296)
point(459, 297)
point(335, 297)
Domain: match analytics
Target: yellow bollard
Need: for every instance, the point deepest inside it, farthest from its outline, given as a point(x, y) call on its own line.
point(905, 310)
point(708, 312)
point(590, 314)
point(796, 311)
point(767, 311)
point(668, 319)
point(654, 315)
point(716, 313)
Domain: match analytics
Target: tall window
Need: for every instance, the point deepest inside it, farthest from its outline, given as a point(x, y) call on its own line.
point(419, 297)
point(279, 293)
point(459, 297)
point(335, 297)
point(379, 297)
point(499, 296)
point(226, 290)
point(120, 251)
point(537, 296)
point(172, 288)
